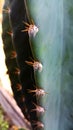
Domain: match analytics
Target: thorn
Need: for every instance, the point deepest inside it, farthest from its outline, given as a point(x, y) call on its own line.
point(17, 71)
point(19, 87)
point(38, 124)
point(32, 21)
point(29, 63)
point(32, 29)
point(10, 33)
point(39, 109)
point(36, 65)
point(25, 30)
point(39, 92)
point(13, 54)
point(7, 10)
point(27, 24)
point(22, 99)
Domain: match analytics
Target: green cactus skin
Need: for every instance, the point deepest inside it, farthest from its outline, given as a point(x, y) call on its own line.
point(53, 48)
point(10, 61)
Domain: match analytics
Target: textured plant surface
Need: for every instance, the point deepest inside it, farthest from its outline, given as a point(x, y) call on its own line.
point(42, 37)
point(22, 79)
point(10, 58)
point(52, 46)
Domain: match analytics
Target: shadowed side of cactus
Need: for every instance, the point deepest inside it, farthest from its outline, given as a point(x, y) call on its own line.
point(10, 59)
point(21, 43)
point(53, 48)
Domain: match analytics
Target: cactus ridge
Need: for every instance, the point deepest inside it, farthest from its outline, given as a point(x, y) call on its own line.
point(41, 64)
point(17, 53)
point(10, 59)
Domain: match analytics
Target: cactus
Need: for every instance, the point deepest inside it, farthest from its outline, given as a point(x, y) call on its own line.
point(52, 47)
point(22, 46)
point(21, 75)
point(10, 59)
point(42, 37)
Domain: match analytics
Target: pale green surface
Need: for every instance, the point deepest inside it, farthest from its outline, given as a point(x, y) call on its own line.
point(53, 47)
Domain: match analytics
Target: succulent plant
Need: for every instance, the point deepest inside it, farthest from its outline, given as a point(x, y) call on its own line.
point(10, 58)
point(42, 37)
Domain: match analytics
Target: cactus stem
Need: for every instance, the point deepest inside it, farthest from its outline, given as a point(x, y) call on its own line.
point(36, 65)
point(32, 29)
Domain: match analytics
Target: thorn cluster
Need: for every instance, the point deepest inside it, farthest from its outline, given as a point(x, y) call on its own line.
point(19, 87)
point(13, 54)
point(32, 29)
point(39, 109)
point(7, 10)
point(38, 124)
point(17, 71)
point(10, 33)
point(36, 65)
point(38, 92)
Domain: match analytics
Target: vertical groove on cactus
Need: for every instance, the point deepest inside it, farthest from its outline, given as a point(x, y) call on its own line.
point(10, 59)
point(22, 46)
point(42, 78)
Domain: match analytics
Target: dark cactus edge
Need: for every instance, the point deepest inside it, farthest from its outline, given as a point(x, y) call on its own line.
point(10, 59)
point(22, 81)
point(45, 60)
